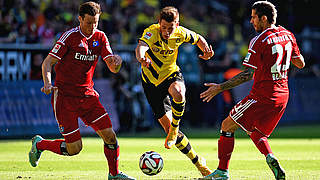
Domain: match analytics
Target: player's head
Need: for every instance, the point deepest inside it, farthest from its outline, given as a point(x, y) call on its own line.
point(89, 13)
point(169, 21)
point(263, 15)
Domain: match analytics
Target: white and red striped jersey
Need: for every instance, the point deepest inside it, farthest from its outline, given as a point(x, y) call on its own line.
point(270, 54)
point(78, 57)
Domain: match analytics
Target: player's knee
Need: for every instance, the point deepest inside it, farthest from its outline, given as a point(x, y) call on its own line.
point(229, 126)
point(178, 93)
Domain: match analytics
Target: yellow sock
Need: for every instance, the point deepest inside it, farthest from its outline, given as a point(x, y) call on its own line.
point(177, 111)
point(185, 147)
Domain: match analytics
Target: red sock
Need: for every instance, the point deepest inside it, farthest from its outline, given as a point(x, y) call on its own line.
point(111, 151)
point(261, 142)
point(225, 148)
point(51, 145)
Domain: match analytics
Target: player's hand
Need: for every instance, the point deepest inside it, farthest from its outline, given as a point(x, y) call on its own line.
point(115, 60)
point(212, 91)
point(48, 88)
point(207, 53)
point(145, 62)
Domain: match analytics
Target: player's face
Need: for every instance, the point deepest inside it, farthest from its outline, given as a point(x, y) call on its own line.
point(256, 21)
point(167, 29)
point(89, 24)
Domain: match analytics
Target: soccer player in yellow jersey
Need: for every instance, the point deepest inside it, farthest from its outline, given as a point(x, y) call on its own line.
point(157, 51)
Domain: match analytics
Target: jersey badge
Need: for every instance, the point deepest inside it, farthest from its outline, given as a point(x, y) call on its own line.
point(246, 59)
point(95, 43)
point(61, 128)
point(56, 48)
point(148, 35)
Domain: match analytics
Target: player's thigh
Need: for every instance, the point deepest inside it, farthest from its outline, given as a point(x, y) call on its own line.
point(94, 114)
point(67, 117)
point(158, 98)
point(243, 114)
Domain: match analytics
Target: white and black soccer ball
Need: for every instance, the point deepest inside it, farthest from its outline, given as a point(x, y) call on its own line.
point(151, 163)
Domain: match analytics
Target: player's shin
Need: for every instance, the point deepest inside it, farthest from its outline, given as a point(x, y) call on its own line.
point(111, 152)
point(57, 146)
point(261, 142)
point(177, 112)
point(225, 149)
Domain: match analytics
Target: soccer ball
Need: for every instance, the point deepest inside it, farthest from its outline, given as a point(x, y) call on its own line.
point(151, 163)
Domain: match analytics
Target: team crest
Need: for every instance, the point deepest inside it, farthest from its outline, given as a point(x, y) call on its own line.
point(148, 35)
point(56, 48)
point(61, 128)
point(178, 40)
point(95, 43)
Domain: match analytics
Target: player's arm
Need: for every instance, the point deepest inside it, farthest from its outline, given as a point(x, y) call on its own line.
point(47, 64)
point(298, 61)
point(114, 63)
point(141, 50)
point(214, 89)
point(205, 48)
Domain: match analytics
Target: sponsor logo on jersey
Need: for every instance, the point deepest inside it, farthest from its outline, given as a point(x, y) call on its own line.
point(155, 49)
point(95, 43)
point(148, 35)
point(83, 57)
point(56, 48)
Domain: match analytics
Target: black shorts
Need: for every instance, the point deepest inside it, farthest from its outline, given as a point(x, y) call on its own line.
point(158, 96)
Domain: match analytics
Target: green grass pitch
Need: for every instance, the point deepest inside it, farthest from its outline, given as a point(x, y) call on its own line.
point(299, 156)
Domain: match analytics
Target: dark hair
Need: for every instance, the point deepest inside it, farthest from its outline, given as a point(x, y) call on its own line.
point(91, 8)
point(169, 14)
point(265, 8)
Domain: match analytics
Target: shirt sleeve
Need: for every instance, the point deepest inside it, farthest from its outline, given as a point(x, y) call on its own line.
point(147, 36)
point(190, 36)
point(59, 50)
point(106, 50)
point(252, 57)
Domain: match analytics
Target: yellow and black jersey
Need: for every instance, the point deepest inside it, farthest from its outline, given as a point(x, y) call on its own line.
point(163, 53)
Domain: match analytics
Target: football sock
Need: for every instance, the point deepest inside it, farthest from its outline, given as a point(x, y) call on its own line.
point(185, 147)
point(261, 142)
point(225, 149)
point(111, 151)
point(177, 111)
point(57, 146)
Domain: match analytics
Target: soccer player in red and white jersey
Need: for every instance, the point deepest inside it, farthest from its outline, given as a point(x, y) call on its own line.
point(267, 63)
point(76, 54)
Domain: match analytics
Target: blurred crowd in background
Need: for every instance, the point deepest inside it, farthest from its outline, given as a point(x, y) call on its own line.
point(224, 23)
